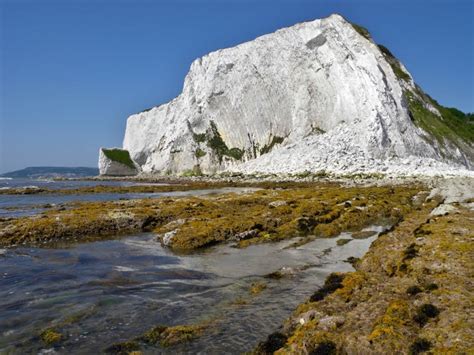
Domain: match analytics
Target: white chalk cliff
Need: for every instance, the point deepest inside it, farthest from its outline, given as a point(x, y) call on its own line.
point(317, 95)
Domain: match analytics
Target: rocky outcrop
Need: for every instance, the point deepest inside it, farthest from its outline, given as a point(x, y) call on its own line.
point(116, 162)
point(408, 295)
point(317, 95)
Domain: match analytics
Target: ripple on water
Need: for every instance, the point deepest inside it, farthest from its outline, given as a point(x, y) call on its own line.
point(109, 291)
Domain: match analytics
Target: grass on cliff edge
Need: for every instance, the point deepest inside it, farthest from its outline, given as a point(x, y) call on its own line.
point(452, 125)
point(362, 31)
point(119, 155)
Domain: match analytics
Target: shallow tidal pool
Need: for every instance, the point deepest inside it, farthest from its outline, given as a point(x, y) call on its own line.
point(100, 293)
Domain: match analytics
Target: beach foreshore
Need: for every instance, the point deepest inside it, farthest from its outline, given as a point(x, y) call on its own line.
point(303, 211)
point(412, 290)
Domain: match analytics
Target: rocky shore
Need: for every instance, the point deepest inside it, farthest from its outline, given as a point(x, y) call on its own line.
point(143, 186)
point(270, 214)
point(410, 293)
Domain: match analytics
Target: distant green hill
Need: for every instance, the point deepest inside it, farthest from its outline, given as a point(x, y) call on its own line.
point(51, 171)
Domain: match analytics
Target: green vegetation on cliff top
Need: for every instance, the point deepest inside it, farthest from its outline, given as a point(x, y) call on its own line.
point(394, 63)
point(453, 124)
point(119, 155)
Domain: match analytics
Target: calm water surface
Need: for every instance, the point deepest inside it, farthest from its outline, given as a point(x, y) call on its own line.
point(26, 205)
point(116, 290)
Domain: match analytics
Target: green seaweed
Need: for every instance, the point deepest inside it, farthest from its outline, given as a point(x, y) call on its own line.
point(51, 336)
point(332, 283)
point(424, 313)
point(419, 346)
point(168, 336)
point(414, 290)
point(123, 348)
point(343, 241)
point(257, 287)
point(235, 153)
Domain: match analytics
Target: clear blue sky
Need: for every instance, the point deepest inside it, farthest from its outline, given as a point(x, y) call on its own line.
point(72, 71)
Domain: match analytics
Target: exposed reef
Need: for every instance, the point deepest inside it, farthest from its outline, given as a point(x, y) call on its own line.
point(412, 292)
point(160, 335)
point(182, 185)
point(272, 214)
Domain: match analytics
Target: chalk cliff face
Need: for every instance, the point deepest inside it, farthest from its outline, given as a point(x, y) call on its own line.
point(317, 95)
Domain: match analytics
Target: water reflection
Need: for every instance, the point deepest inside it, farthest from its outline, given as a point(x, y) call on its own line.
point(110, 291)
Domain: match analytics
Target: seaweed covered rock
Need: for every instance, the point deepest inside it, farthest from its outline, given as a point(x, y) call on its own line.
point(197, 222)
point(159, 336)
point(168, 336)
point(382, 308)
point(51, 337)
point(273, 342)
point(116, 162)
point(332, 283)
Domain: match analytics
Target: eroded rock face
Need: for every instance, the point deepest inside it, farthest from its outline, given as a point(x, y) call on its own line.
point(116, 162)
point(314, 94)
